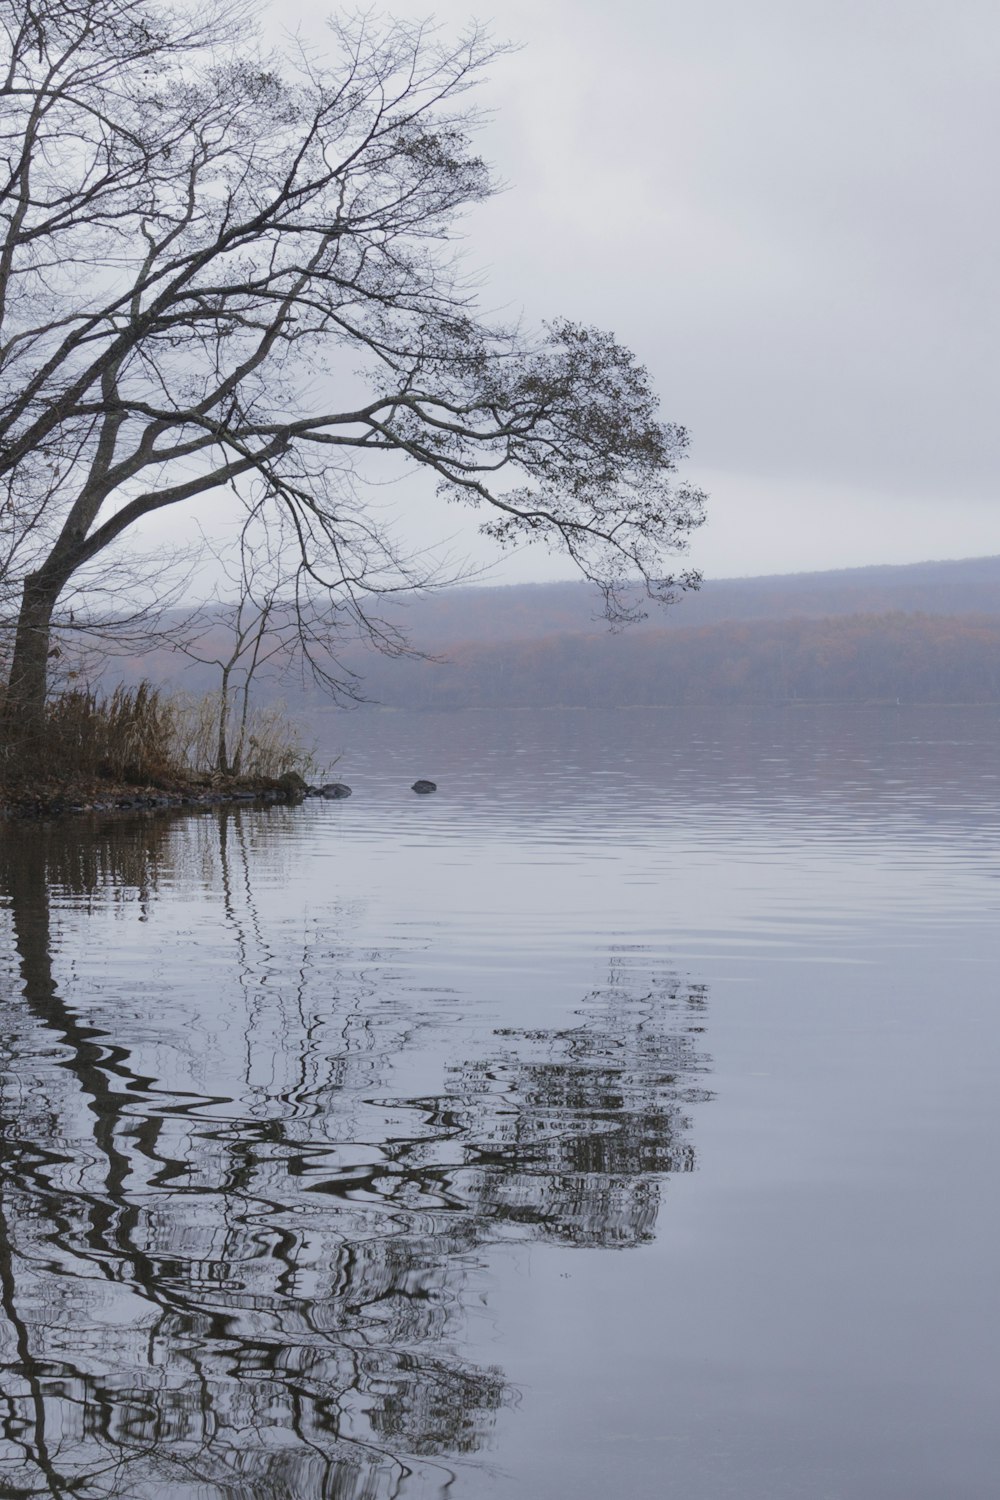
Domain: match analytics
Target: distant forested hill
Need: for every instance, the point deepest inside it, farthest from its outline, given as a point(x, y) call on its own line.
point(841, 659)
point(531, 610)
point(929, 632)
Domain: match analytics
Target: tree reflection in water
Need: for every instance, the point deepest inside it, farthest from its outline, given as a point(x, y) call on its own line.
point(206, 1295)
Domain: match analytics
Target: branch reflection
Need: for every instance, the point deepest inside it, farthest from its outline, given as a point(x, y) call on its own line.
point(262, 1290)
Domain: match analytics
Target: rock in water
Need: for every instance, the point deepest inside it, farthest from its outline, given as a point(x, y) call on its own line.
point(334, 789)
point(424, 786)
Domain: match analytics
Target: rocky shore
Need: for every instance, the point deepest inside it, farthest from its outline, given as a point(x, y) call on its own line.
point(41, 798)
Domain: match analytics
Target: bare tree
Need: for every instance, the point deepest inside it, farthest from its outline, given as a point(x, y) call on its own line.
point(257, 624)
point(251, 647)
point(218, 271)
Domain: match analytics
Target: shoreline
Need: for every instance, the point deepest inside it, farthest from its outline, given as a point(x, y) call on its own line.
point(22, 800)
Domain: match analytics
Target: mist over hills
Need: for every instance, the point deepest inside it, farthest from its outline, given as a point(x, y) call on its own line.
point(923, 632)
point(531, 610)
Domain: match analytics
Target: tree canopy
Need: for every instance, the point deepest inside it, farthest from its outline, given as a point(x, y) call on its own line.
point(223, 272)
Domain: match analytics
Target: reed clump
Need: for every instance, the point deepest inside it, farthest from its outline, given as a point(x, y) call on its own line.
point(262, 742)
point(124, 736)
point(143, 736)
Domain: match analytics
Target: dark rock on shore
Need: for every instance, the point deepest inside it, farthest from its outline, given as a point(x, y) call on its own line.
point(294, 786)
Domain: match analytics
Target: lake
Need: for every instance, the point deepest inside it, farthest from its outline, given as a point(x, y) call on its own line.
point(621, 1120)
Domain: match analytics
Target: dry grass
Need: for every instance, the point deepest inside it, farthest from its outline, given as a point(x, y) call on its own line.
point(142, 736)
point(270, 744)
point(122, 737)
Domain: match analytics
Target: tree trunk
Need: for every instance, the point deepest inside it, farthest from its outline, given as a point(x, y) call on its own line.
point(222, 756)
point(23, 719)
point(244, 713)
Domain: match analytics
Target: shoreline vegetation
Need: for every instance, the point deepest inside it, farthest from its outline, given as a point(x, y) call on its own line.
point(140, 748)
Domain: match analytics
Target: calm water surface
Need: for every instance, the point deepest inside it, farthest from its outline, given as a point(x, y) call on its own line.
point(621, 1120)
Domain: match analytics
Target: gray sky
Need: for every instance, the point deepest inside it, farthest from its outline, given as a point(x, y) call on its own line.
point(788, 209)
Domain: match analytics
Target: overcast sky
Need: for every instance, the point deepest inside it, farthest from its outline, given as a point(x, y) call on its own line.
point(788, 209)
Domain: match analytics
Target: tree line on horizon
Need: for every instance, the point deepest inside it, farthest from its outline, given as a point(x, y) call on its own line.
point(866, 658)
point(898, 657)
point(528, 611)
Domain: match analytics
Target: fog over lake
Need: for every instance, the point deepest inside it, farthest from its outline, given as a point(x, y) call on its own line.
point(619, 1120)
